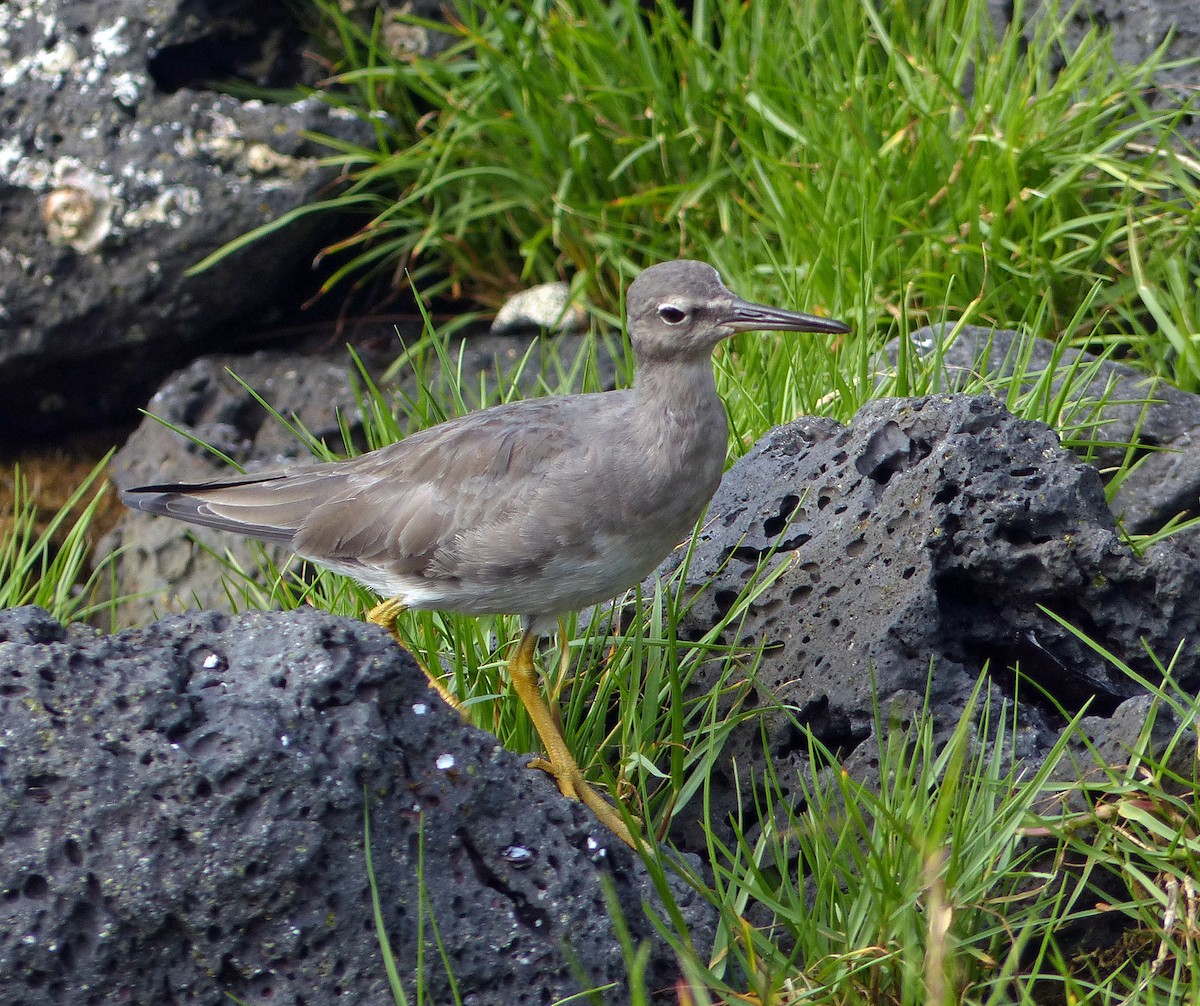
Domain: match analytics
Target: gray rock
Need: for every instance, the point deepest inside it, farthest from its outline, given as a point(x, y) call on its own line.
point(183, 819)
point(119, 169)
point(405, 40)
point(1116, 737)
point(927, 534)
point(1137, 29)
point(1117, 410)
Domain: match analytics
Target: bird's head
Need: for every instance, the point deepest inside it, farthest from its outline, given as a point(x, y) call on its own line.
point(680, 310)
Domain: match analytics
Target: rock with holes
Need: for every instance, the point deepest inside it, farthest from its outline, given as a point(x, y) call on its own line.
point(933, 533)
point(183, 817)
point(121, 167)
point(1110, 408)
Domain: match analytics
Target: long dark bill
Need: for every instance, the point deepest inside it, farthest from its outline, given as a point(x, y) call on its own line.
point(745, 316)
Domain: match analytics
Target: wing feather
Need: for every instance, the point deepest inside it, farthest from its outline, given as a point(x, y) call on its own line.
point(409, 505)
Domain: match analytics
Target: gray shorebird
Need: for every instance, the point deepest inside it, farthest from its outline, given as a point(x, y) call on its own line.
point(534, 508)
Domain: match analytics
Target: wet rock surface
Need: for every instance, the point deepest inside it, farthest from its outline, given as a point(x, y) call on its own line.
point(184, 817)
point(918, 545)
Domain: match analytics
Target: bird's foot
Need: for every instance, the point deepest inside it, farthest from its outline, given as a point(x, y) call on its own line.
point(438, 684)
point(573, 786)
point(385, 614)
point(559, 762)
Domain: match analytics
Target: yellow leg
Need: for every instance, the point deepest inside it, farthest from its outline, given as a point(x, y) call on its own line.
point(385, 613)
point(559, 761)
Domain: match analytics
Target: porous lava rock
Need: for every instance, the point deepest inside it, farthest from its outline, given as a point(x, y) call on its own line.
point(183, 819)
point(1114, 413)
point(928, 540)
point(164, 566)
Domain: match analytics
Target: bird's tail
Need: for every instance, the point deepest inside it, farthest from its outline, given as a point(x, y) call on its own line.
point(270, 507)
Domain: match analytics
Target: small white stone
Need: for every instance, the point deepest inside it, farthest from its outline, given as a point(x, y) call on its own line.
point(445, 761)
point(547, 306)
point(420, 708)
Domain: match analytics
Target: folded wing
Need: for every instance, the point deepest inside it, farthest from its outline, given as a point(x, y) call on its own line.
point(405, 504)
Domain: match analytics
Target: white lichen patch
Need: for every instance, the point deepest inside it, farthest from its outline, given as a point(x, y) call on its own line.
point(128, 88)
point(262, 159)
point(172, 206)
point(109, 42)
point(10, 156)
point(81, 207)
point(84, 57)
point(15, 16)
point(50, 65)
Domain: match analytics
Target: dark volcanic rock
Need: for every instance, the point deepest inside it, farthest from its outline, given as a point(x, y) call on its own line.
point(119, 169)
point(1137, 29)
point(183, 818)
point(1114, 409)
point(930, 532)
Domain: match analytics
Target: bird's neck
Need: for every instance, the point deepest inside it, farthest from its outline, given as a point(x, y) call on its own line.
point(678, 403)
point(678, 385)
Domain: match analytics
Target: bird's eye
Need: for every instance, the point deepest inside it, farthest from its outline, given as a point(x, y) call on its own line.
point(671, 314)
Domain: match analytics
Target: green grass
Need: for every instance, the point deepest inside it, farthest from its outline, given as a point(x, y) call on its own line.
point(46, 559)
point(891, 164)
point(894, 163)
point(956, 879)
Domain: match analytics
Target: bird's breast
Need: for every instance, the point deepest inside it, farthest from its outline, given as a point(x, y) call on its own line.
point(678, 458)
